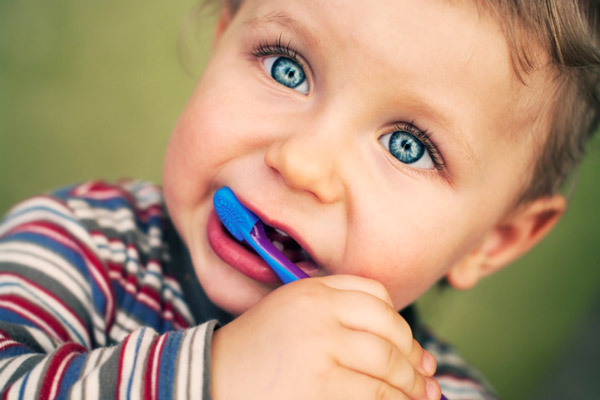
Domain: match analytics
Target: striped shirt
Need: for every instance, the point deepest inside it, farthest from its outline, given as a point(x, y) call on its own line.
point(96, 302)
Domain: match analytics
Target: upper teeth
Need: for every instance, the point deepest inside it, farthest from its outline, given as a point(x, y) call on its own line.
point(281, 232)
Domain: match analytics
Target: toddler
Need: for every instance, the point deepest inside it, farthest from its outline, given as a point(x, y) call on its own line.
point(387, 146)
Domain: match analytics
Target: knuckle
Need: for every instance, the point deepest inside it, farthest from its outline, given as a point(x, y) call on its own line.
point(383, 392)
point(407, 379)
point(391, 359)
point(381, 291)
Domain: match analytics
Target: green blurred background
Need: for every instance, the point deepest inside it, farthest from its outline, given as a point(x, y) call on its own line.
point(92, 90)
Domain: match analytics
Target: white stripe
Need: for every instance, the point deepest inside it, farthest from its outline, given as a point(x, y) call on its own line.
point(182, 371)
point(66, 220)
point(97, 194)
point(92, 380)
point(139, 356)
point(149, 301)
point(120, 219)
point(35, 376)
point(156, 362)
point(118, 333)
point(151, 280)
point(197, 362)
point(124, 319)
point(30, 204)
point(42, 260)
point(12, 364)
point(42, 339)
point(104, 286)
point(63, 272)
point(90, 363)
point(127, 364)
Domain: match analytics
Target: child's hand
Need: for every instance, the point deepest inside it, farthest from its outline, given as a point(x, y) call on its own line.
point(337, 337)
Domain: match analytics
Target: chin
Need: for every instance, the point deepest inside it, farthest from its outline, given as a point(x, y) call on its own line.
point(233, 292)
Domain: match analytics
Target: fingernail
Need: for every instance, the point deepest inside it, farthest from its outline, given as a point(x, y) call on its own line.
point(433, 391)
point(428, 362)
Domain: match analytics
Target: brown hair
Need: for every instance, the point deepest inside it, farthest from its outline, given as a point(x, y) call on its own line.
point(568, 31)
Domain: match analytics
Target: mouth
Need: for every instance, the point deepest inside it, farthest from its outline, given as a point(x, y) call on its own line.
point(242, 257)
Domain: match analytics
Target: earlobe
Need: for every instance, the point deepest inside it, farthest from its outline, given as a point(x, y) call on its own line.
point(510, 238)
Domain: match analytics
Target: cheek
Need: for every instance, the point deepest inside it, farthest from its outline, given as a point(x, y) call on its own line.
point(411, 248)
point(199, 143)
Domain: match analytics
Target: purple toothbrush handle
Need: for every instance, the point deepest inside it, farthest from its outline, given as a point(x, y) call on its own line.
point(260, 237)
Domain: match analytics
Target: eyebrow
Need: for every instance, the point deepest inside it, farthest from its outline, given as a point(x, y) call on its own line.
point(448, 125)
point(284, 21)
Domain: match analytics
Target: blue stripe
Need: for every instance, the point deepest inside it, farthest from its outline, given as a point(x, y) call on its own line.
point(167, 365)
point(137, 349)
point(71, 375)
point(15, 351)
point(24, 384)
point(71, 257)
point(16, 214)
point(12, 317)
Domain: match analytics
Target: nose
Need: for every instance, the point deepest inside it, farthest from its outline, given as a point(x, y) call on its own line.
point(307, 164)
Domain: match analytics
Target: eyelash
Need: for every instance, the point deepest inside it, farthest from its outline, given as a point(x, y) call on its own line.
point(425, 138)
point(278, 48)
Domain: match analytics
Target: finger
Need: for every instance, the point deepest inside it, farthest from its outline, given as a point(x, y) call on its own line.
point(362, 312)
point(371, 355)
point(363, 318)
point(347, 384)
point(357, 283)
point(425, 359)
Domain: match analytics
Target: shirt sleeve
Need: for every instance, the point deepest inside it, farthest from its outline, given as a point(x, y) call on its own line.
point(85, 310)
point(458, 379)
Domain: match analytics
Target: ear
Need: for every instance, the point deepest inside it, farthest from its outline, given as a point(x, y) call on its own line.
point(512, 237)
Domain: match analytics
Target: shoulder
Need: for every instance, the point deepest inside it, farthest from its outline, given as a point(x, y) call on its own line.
point(88, 209)
point(92, 199)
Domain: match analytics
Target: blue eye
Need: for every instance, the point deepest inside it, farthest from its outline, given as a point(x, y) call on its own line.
point(287, 72)
point(407, 149)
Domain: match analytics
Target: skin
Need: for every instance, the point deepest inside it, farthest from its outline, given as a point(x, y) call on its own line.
point(380, 231)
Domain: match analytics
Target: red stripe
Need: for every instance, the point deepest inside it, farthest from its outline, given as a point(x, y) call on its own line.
point(38, 312)
point(148, 378)
point(156, 377)
point(58, 357)
point(150, 292)
point(11, 345)
point(111, 191)
point(180, 322)
point(89, 257)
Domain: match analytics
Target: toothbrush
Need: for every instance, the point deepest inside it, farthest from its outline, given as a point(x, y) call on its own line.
point(244, 225)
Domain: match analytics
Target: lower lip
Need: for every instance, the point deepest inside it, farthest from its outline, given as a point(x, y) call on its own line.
point(237, 256)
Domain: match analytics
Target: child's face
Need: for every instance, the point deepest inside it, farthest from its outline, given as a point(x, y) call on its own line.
point(339, 158)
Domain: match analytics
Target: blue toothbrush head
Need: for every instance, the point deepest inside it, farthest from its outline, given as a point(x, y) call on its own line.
point(236, 218)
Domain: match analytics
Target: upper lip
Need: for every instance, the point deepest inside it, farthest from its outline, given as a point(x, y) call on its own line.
point(274, 223)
